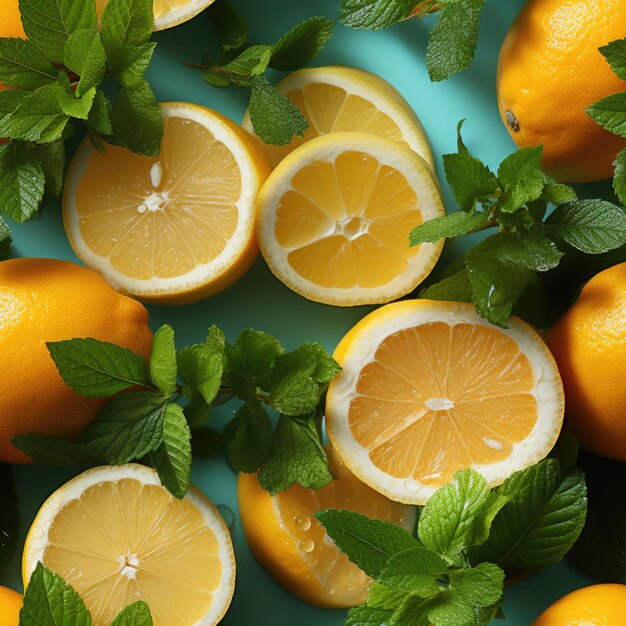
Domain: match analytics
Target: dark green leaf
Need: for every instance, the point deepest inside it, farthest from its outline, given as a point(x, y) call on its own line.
point(100, 115)
point(126, 23)
point(296, 394)
point(619, 182)
point(521, 178)
point(455, 288)
point(49, 451)
point(163, 367)
point(470, 179)
point(252, 61)
point(556, 194)
point(310, 358)
point(23, 65)
point(375, 14)
point(615, 54)
point(135, 614)
point(480, 586)
point(301, 44)
point(610, 113)
point(452, 225)
point(51, 156)
point(532, 251)
point(5, 240)
point(365, 615)
point(133, 63)
point(249, 438)
point(415, 570)
point(230, 28)
point(84, 55)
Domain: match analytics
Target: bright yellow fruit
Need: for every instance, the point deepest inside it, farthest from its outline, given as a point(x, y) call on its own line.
point(175, 228)
point(428, 388)
point(10, 605)
point(117, 536)
point(336, 99)
point(335, 218)
point(293, 546)
point(48, 300)
point(597, 605)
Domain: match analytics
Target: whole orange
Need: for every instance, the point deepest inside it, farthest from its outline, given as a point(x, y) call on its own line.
point(10, 605)
point(589, 345)
point(550, 70)
point(597, 605)
point(45, 300)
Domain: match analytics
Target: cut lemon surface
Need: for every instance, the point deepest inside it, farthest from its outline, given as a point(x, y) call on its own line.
point(428, 388)
point(117, 536)
point(337, 99)
point(175, 228)
point(293, 546)
point(335, 218)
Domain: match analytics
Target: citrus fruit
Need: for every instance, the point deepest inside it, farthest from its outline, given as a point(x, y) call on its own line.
point(175, 228)
point(549, 72)
point(293, 546)
point(45, 300)
point(344, 99)
point(429, 388)
point(10, 605)
point(117, 536)
point(597, 605)
point(589, 345)
point(335, 217)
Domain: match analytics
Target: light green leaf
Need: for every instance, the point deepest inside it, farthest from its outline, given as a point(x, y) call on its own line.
point(374, 14)
point(365, 615)
point(415, 571)
point(201, 367)
point(610, 113)
point(23, 65)
point(301, 44)
point(230, 28)
point(295, 394)
point(452, 225)
point(135, 614)
point(480, 586)
point(310, 358)
point(555, 193)
point(455, 288)
point(252, 61)
point(521, 178)
point(48, 451)
point(530, 250)
point(84, 54)
point(470, 179)
point(163, 368)
point(619, 181)
point(75, 106)
point(126, 23)
point(133, 63)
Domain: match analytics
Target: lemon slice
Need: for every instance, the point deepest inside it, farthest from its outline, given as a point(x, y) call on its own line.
point(338, 99)
point(117, 536)
point(428, 388)
point(335, 218)
point(170, 229)
point(293, 546)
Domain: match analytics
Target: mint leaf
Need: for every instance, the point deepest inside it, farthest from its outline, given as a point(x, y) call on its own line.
point(375, 14)
point(591, 226)
point(163, 368)
point(615, 54)
point(452, 225)
point(201, 367)
point(365, 615)
point(469, 178)
point(129, 427)
point(296, 456)
point(84, 54)
point(97, 368)
point(49, 451)
point(415, 570)
point(480, 586)
point(135, 614)
point(133, 63)
point(250, 62)
point(453, 40)
point(310, 358)
point(449, 609)
point(296, 394)
point(74, 106)
point(555, 193)
point(274, 117)
point(126, 23)
point(172, 459)
point(455, 288)
point(521, 178)
point(610, 113)
point(100, 115)
point(301, 44)
point(49, 24)
point(530, 250)
point(542, 519)
point(22, 183)
point(50, 601)
point(51, 157)
point(249, 438)
point(229, 26)
point(619, 181)
point(23, 65)
point(368, 543)
point(5, 240)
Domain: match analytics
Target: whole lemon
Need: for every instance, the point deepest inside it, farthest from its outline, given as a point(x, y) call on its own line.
point(550, 70)
point(597, 605)
point(10, 605)
point(45, 300)
point(589, 345)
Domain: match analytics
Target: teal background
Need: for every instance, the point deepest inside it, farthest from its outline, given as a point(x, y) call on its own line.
point(259, 300)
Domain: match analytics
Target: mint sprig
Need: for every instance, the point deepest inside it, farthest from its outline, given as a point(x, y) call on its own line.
point(514, 202)
point(168, 400)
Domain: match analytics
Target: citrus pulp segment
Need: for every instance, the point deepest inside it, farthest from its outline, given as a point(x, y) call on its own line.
point(175, 228)
point(117, 536)
point(428, 388)
point(346, 99)
point(293, 546)
point(335, 217)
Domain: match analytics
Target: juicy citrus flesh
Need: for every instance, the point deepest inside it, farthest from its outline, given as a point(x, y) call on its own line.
point(344, 99)
point(294, 547)
point(335, 228)
point(10, 605)
point(429, 388)
point(174, 227)
point(122, 539)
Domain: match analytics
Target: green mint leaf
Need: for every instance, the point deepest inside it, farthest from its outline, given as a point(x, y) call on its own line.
point(458, 515)
point(374, 14)
point(249, 438)
point(452, 225)
point(615, 54)
point(135, 614)
point(10, 100)
point(415, 571)
point(100, 115)
point(619, 181)
point(48, 25)
point(97, 368)
point(253, 61)
point(23, 65)
point(274, 117)
point(197, 410)
point(480, 586)
point(542, 519)
point(296, 456)
point(51, 157)
point(5, 240)
point(74, 106)
point(50, 601)
point(383, 597)
point(172, 458)
point(310, 358)
point(84, 55)
point(521, 178)
point(296, 394)
point(129, 427)
point(414, 611)
point(49, 451)
point(530, 250)
point(555, 193)
point(301, 44)
point(610, 113)
point(22, 183)
point(201, 367)
point(469, 178)
point(591, 226)
point(133, 63)
point(365, 615)
point(368, 543)
point(163, 368)
point(455, 288)
point(454, 38)
point(450, 609)
point(216, 77)
point(229, 26)
point(126, 23)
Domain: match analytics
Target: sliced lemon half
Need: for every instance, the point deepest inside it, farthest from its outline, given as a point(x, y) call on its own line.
point(337, 99)
point(175, 228)
point(428, 388)
point(117, 536)
point(335, 217)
